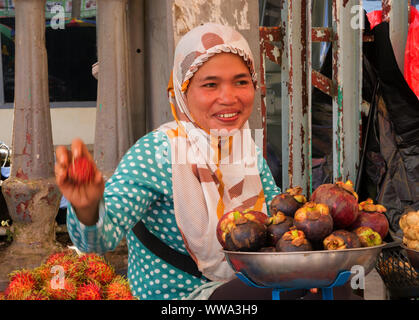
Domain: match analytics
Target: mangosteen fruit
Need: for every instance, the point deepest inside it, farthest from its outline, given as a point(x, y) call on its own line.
point(242, 231)
point(368, 237)
point(372, 215)
point(314, 220)
point(341, 239)
point(293, 240)
point(277, 225)
point(288, 202)
point(342, 201)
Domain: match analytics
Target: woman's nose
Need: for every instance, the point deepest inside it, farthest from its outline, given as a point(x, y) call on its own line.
point(227, 95)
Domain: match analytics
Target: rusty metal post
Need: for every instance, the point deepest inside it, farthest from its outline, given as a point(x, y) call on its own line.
point(273, 52)
point(31, 194)
point(113, 135)
point(396, 12)
point(347, 78)
point(296, 111)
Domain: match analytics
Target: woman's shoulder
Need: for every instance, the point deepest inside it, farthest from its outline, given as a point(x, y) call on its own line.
point(151, 150)
point(153, 138)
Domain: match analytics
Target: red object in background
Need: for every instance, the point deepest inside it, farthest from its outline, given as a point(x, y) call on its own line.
point(411, 60)
point(375, 18)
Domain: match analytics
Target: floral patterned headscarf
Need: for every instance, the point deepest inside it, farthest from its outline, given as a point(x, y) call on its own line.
point(212, 173)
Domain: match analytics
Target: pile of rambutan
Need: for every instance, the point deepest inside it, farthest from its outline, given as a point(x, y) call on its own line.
point(68, 276)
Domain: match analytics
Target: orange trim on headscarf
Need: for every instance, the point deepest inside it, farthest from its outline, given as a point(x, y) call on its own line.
point(220, 205)
point(170, 87)
point(185, 86)
point(260, 201)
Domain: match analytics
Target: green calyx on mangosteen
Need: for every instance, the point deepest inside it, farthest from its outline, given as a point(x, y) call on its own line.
point(293, 240)
point(277, 225)
point(288, 202)
point(368, 237)
point(242, 231)
point(341, 239)
point(314, 220)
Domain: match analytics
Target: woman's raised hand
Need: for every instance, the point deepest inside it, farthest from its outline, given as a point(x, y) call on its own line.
point(84, 197)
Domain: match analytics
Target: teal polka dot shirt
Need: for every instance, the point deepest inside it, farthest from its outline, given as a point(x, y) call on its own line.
point(141, 189)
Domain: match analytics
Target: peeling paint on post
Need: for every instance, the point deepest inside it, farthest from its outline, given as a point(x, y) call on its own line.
point(347, 78)
point(274, 53)
point(296, 108)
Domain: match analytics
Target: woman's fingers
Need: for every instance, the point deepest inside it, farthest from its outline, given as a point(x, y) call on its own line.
point(61, 164)
point(79, 195)
point(79, 149)
point(61, 155)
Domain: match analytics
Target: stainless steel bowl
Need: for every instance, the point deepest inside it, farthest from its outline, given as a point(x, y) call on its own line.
point(413, 256)
point(299, 270)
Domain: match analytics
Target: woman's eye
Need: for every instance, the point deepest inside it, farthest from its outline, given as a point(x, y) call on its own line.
point(242, 82)
point(209, 85)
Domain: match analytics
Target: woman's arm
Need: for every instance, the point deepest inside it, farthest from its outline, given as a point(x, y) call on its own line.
point(127, 197)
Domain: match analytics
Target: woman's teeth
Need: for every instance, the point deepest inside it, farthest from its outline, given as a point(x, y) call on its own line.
point(227, 115)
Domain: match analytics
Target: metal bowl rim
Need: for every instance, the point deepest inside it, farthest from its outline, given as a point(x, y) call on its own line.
point(406, 248)
point(304, 252)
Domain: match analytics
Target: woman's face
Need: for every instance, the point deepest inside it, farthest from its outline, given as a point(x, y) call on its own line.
point(220, 95)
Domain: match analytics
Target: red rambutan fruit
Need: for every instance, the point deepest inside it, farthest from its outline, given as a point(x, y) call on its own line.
point(58, 257)
point(37, 295)
point(89, 291)
point(81, 171)
point(67, 290)
point(119, 289)
point(90, 257)
point(99, 271)
point(22, 283)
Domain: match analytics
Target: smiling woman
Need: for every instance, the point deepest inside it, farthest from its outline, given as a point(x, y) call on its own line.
point(169, 209)
point(221, 93)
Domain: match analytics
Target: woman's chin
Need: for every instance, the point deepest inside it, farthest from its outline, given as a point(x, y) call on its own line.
point(228, 125)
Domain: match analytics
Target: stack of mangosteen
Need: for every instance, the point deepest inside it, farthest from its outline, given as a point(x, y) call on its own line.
point(332, 219)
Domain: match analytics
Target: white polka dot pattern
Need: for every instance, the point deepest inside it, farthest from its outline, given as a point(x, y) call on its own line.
point(141, 188)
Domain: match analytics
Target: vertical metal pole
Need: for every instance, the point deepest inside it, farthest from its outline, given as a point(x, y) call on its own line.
point(396, 12)
point(76, 9)
point(296, 73)
point(2, 98)
point(347, 76)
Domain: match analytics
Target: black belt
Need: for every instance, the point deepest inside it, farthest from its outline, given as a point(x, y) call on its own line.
point(162, 250)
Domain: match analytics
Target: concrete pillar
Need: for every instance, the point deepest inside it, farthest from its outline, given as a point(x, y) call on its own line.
point(113, 135)
point(31, 194)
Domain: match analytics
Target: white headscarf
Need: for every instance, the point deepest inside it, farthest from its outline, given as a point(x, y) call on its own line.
point(205, 187)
